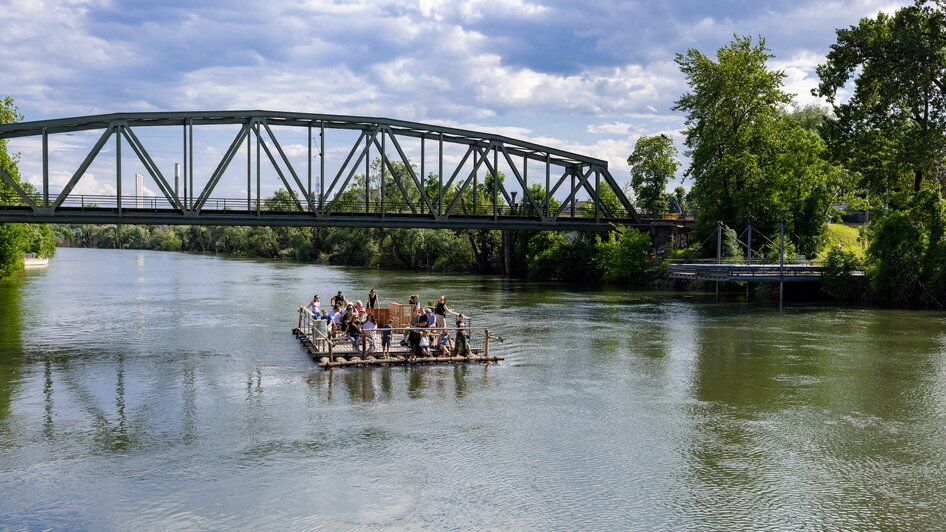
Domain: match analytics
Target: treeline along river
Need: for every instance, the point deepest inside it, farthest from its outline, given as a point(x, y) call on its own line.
point(143, 389)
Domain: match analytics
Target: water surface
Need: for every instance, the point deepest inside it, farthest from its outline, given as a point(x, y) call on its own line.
point(162, 390)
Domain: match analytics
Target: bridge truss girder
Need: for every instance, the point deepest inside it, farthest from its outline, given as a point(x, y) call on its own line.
point(323, 208)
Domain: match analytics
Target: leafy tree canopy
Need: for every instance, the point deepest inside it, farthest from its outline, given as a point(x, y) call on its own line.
point(893, 128)
point(653, 162)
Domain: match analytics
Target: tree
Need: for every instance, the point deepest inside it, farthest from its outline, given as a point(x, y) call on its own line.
point(893, 128)
point(653, 163)
point(12, 236)
point(750, 161)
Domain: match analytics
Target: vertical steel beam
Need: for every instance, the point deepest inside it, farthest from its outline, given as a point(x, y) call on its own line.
point(495, 183)
point(249, 173)
point(368, 174)
point(423, 176)
point(548, 183)
point(45, 169)
point(321, 166)
point(573, 194)
point(597, 195)
point(309, 160)
point(118, 170)
point(258, 168)
point(440, 171)
point(381, 176)
point(525, 176)
point(475, 178)
point(190, 155)
point(184, 159)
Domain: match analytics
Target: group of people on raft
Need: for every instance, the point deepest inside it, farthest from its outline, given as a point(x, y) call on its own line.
point(426, 336)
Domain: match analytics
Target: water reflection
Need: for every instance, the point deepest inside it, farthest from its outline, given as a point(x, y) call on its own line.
point(367, 385)
point(11, 343)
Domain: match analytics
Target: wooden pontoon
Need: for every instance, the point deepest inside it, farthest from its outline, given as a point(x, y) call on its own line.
point(336, 351)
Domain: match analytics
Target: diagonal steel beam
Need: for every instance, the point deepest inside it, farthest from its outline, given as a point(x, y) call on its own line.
point(593, 192)
point(466, 183)
point(83, 167)
point(410, 170)
point(551, 193)
point(525, 190)
point(288, 164)
point(489, 168)
point(456, 172)
point(397, 180)
point(18, 189)
point(222, 167)
point(341, 169)
point(571, 196)
point(280, 174)
point(152, 168)
point(620, 193)
point(364, 152)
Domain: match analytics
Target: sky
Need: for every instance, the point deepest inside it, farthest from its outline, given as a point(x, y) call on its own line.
point(589, 76)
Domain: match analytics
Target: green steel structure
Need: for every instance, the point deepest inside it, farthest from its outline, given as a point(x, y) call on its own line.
point(317, 198)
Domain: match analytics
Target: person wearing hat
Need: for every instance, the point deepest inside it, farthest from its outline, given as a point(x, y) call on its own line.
point(431, 319)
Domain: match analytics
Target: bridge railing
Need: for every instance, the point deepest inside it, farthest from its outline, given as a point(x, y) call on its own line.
point(133, 203)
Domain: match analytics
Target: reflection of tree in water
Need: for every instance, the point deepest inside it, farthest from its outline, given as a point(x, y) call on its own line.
point(11, 343)
point(809, 397)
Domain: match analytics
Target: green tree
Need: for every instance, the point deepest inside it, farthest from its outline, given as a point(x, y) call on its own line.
point(892, 130)
point(12, 236)
point(750, 161)
point(653, 162)
point(621, 257)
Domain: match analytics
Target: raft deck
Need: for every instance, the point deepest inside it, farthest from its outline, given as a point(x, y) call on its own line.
point(337, 352)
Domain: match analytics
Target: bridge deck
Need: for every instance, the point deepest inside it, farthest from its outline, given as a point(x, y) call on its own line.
point(762, 273)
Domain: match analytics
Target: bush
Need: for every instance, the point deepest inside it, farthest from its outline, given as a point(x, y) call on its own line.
point(838, 280)
point(622, 257)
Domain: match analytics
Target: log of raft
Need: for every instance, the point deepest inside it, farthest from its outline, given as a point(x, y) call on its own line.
point(401, 361)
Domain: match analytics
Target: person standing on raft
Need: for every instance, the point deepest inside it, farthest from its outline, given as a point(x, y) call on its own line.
point(372, 299)
point(461, 347)
point(441, 310)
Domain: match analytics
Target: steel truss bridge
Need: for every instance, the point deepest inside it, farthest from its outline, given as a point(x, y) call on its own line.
point(457, 192)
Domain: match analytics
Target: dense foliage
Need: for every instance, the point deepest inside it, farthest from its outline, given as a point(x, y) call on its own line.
point(541, 255)
point(653, 163)
point(17, 239)
point(750, 161)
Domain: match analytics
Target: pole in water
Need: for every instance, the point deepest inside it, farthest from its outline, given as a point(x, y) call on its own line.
point(749, 255)
point(781, 261)
point(719, 249)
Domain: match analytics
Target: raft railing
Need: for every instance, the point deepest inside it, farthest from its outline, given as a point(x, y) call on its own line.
point(324, 340)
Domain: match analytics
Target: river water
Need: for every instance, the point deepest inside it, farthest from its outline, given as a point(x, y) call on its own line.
point(163, 390)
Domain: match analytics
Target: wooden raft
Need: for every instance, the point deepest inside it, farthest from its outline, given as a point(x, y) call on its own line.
point(330, 353)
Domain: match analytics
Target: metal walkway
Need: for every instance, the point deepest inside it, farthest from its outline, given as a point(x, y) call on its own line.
point(761, 273)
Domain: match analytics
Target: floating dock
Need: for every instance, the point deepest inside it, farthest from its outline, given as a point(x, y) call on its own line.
point(331, 352)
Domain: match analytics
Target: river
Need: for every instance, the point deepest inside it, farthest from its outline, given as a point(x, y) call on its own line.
point(150, 390)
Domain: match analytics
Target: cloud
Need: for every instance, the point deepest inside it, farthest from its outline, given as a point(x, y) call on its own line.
point(588, 76)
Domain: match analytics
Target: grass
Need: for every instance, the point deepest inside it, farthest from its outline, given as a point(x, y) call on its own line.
point(849, 238)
